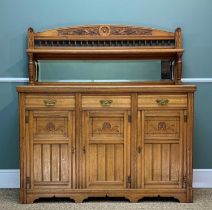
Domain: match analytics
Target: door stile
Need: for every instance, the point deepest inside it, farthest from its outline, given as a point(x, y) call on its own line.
point(185, 151)
point(134, 140)
point(181, 140)
point(31, 129)
point(85, 116)
point(143, 150)
point(78, 103)
point(72, 146)
point(127, 150)
point(139, 153)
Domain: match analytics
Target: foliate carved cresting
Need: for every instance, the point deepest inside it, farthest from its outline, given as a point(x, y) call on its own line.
point(104, 36)
point(105, 30)
point(130, 31)
point(79, 31)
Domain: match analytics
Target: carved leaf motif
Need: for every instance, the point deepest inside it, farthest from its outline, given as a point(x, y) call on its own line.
point(130, 31)
point(52, 128)
point(79, 31)
point(107, 128)
point(161, 127)
point(106, 125)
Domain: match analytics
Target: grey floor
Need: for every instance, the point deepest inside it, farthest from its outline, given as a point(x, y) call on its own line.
point(202, 200)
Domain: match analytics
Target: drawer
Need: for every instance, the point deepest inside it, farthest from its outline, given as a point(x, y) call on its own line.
point(149, 101)
point(106, 101)
point(49, 101)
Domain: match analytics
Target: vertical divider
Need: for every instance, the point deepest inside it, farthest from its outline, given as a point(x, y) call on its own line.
point(139, 156)
point(85, 148)
point(184, 149)
point(78, 139)
point(26, 144)
point(31, 147)
point(181, 141)
point(126, 160)
point(72, 147)
point(143, 149)
point(190, 125)
point(23, 148)
point(134, 128)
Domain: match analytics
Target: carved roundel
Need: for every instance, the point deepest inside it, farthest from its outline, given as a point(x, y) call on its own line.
point(106, 125)
point(161, 126)
point(50, 127)
point(104, 30)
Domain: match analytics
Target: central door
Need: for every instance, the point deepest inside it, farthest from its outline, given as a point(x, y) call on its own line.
point(106, 138)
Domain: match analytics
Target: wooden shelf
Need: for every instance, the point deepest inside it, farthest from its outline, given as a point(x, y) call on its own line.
point(105, 42)
point(104, 53)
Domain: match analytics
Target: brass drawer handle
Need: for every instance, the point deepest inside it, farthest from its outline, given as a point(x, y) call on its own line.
point(51, 102)
point(106, 102)
point(162, 101)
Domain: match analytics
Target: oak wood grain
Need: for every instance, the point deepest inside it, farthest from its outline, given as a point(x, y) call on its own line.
point(121, 139)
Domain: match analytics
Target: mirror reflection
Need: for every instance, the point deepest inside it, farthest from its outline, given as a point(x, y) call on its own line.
point(98, 71)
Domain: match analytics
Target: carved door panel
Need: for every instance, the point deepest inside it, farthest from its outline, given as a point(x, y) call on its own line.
point(160, 162)
point(107, 135)
point(51, 143)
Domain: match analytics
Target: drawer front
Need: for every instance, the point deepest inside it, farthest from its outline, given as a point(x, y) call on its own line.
point(48, 101)
point(106, 101)
point(157, 101)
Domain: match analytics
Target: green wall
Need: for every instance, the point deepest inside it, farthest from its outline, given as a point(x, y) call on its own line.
point(193, 16)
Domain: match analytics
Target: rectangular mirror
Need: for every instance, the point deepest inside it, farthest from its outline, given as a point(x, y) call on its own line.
point(101, 70)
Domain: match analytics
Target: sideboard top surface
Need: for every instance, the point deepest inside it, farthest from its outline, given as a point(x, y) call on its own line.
point(103, 88)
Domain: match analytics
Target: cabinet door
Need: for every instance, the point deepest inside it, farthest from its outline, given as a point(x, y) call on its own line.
point(107, 146)
point(51, 146)
point(160, 162)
